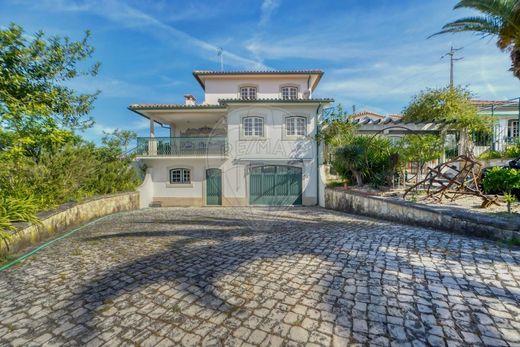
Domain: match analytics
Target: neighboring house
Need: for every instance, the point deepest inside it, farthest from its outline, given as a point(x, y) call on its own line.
point(392, 125)
point(251, 142)
point(366, 116)
point(505, 127)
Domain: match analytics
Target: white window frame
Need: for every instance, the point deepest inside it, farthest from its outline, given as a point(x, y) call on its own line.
point(289, 92)
point(513, 128)
point(248, 92)
point(184, 175)
point(257, 127)
point(293, 124)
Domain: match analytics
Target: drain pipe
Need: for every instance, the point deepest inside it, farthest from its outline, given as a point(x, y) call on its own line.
point(317, 156)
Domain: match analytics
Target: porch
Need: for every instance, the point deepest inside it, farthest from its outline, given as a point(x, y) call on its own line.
point(182, 146)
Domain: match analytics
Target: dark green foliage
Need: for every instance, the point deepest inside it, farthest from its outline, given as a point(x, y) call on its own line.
point(491, 154)
point(367, 159)
point(500, 179)
point(71, 173)
point(44, 162)
point(512, 151)
point(420, 149)
point(452, 108)
point(36, 105)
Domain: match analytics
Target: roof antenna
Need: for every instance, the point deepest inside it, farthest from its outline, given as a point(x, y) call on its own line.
point(220, 53)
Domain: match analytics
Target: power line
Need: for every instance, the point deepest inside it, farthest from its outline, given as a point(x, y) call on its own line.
point(451, 53)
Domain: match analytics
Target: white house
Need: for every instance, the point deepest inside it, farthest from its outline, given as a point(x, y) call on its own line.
point(252, 141)
point(505, 115)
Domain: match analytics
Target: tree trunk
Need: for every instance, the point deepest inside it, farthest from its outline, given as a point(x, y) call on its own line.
point(465, 143)
point(515, 61)
point(358, 177)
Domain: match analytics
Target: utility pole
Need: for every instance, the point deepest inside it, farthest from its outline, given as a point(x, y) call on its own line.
point(451, 53)
point(220, 53)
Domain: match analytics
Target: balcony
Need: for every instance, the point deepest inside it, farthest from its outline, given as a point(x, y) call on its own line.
point(181, 146)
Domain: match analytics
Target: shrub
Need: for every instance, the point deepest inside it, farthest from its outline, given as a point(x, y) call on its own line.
point(367, 159)
point(512, 151)
point(420, 148)
point(15, 210)
point(500, 179)
point(491, 154)
point(72, 173)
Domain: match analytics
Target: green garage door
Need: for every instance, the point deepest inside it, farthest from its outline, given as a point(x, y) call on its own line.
point(275, 185)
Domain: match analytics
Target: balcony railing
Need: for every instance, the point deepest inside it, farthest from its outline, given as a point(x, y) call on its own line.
point(181, 146)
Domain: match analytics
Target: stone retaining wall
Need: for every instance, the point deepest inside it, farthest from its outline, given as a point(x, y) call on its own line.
point(448, 219)
point(68, 216)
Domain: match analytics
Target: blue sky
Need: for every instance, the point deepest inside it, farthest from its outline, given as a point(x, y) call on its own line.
point(374, 52)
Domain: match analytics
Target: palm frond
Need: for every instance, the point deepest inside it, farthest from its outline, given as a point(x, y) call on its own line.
point(483, 25)
point(495, 8)
point(506, 10)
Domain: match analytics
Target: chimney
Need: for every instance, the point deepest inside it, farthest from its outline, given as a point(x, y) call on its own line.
point(189, 100)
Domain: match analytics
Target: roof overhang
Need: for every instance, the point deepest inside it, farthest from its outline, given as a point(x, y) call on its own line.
point(314, 76)
point(276, 101)
point(167, 113)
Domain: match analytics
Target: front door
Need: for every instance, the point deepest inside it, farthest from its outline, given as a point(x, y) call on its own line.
point(213, 187)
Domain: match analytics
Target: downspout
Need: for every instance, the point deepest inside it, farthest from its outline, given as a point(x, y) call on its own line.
point(317, 156)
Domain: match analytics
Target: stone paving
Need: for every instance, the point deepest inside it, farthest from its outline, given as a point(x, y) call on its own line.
point(261, 277)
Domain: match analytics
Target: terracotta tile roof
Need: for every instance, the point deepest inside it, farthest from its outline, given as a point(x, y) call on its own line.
point(259, 72)
point(172, 106)
point(280, 101)
point(488, 102)
point(367, 113)
point(198, 73)
point(387, 120)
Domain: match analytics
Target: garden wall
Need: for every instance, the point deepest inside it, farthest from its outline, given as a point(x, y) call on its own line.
point(448, 219)
point(68, 216)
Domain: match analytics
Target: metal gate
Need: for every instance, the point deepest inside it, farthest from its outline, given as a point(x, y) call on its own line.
point(275, 185)
point(213, 187)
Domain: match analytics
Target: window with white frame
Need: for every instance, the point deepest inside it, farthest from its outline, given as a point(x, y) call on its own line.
point(253, 126)
point(289, 93)
point(513, 128)
point(296, 126)
point(180, 176)
point(248, 93)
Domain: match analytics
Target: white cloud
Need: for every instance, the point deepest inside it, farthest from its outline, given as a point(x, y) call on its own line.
point(267, 9)
point(130, 17)
point(391, 80)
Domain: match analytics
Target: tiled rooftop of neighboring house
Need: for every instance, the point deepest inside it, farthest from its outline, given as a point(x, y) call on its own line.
point(371, 115)
point(488, 102)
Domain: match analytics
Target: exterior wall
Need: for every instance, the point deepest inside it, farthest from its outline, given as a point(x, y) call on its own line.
point(145, 190)
point(267, 87)
point(68, 216)
point(273, 149)
point(453, 220)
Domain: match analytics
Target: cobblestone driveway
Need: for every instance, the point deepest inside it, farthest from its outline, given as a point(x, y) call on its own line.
point(213, 276)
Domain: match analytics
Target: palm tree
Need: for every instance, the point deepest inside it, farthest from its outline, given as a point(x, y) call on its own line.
point(500, 18)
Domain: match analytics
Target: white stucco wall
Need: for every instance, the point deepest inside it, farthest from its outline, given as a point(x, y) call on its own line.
point(266, 87)
point(274, 148)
